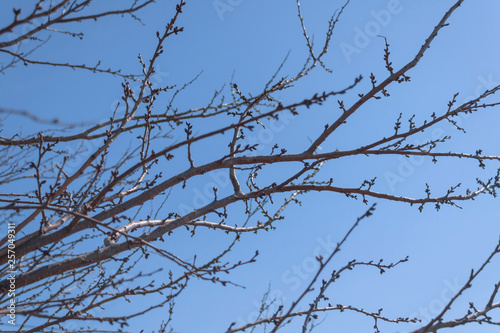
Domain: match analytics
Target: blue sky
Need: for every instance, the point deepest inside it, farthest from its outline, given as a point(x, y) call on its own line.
point(251, 40)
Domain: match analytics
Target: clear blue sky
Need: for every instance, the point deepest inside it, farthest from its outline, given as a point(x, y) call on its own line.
point(251, 40)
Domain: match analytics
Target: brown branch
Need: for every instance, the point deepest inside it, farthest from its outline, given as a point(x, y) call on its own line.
point(61, 19)
point(437, 322)
point(394, 77)
point(94, 69)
